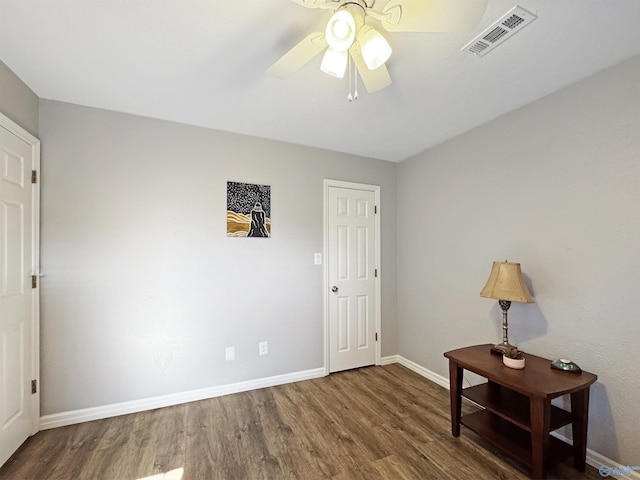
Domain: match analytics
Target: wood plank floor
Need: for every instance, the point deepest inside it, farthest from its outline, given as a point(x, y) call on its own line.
point(371, 423)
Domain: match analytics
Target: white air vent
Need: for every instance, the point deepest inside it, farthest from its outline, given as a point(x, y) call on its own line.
point(510, 23)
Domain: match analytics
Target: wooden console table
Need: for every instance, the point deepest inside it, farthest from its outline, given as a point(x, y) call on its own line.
point(518, 414)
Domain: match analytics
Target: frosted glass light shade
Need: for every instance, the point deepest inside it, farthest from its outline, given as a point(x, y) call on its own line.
point(341, 31)
point(334, 62)
point(374, 47)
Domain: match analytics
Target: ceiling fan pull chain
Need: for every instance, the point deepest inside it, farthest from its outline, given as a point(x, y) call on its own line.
point(349, 96)
point(355, 81)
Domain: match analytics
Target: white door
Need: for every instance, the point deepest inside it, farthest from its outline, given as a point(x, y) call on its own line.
point(352, 283)
point(18, 300)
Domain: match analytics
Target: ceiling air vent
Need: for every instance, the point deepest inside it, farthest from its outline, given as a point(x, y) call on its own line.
point(510, 23)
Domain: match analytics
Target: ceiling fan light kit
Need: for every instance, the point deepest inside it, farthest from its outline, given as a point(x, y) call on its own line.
point(374, 47)
point(348, 35)
point(344, 30)
point(342, 27)
point(334, 62)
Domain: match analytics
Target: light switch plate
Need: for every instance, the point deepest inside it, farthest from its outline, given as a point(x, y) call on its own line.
point(230, 353)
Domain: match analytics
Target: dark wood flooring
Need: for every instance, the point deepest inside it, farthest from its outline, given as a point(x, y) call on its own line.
point(371, 423)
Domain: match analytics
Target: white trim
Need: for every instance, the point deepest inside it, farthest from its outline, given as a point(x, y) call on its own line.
point(425, 372)
point(96, 413)
point(325, 249)
point(18, 131)
point(35, 298)
point(34, 143)
point(325, 276)
point(390, 359)
point(595, 459)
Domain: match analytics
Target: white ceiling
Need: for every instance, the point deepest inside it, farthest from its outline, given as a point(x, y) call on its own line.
point(202, 62)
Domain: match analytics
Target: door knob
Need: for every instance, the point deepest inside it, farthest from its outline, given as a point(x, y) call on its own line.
point(334, 289)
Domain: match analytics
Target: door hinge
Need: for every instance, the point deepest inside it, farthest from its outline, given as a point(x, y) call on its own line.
point(34, 176)
point(34, 386)
point(375, 272)
point(375, 209)
point(34, 281)
point(376, 336)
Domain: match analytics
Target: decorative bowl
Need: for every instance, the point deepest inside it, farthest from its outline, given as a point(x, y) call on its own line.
point(517, 363)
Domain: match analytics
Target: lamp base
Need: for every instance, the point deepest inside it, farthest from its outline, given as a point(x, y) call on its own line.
point(503, 348)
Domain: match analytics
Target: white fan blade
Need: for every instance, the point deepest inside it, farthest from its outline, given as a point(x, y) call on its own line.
point(310, 3)
point(299, 55)
point(373, 80)
point(433, 15)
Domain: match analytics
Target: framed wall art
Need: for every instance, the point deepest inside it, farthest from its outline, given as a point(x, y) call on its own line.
point(248, 210)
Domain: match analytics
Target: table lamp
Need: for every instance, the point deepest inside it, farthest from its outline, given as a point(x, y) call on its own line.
point(506, 285)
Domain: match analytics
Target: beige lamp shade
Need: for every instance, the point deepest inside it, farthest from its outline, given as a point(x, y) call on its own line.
point(506, 283)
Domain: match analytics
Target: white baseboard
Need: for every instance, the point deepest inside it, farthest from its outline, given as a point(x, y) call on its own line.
point(425, 372)
point(113, 410)
point(595, 459)
point(390, 359)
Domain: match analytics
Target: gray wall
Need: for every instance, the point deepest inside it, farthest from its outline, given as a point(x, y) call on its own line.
point(143, 290)
point(556, 187)
point(17, 101)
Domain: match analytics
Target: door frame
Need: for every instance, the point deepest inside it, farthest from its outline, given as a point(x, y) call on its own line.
point(34, 143)
point(328, 183)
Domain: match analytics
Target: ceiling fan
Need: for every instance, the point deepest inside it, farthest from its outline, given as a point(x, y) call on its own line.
point(349, 34)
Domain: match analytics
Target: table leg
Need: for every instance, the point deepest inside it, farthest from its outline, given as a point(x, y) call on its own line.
point(540, 411)
point(580, 413)
point(455, 390)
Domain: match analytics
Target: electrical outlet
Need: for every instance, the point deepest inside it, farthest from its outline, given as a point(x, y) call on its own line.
point(263, 348)
point(230, 353)
point(317, 258)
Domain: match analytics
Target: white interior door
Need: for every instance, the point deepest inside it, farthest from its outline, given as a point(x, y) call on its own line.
point(352, 277)
point(18, 300)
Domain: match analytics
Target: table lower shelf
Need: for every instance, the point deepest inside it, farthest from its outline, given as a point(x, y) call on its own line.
point(511, 405)
point(513, 440)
